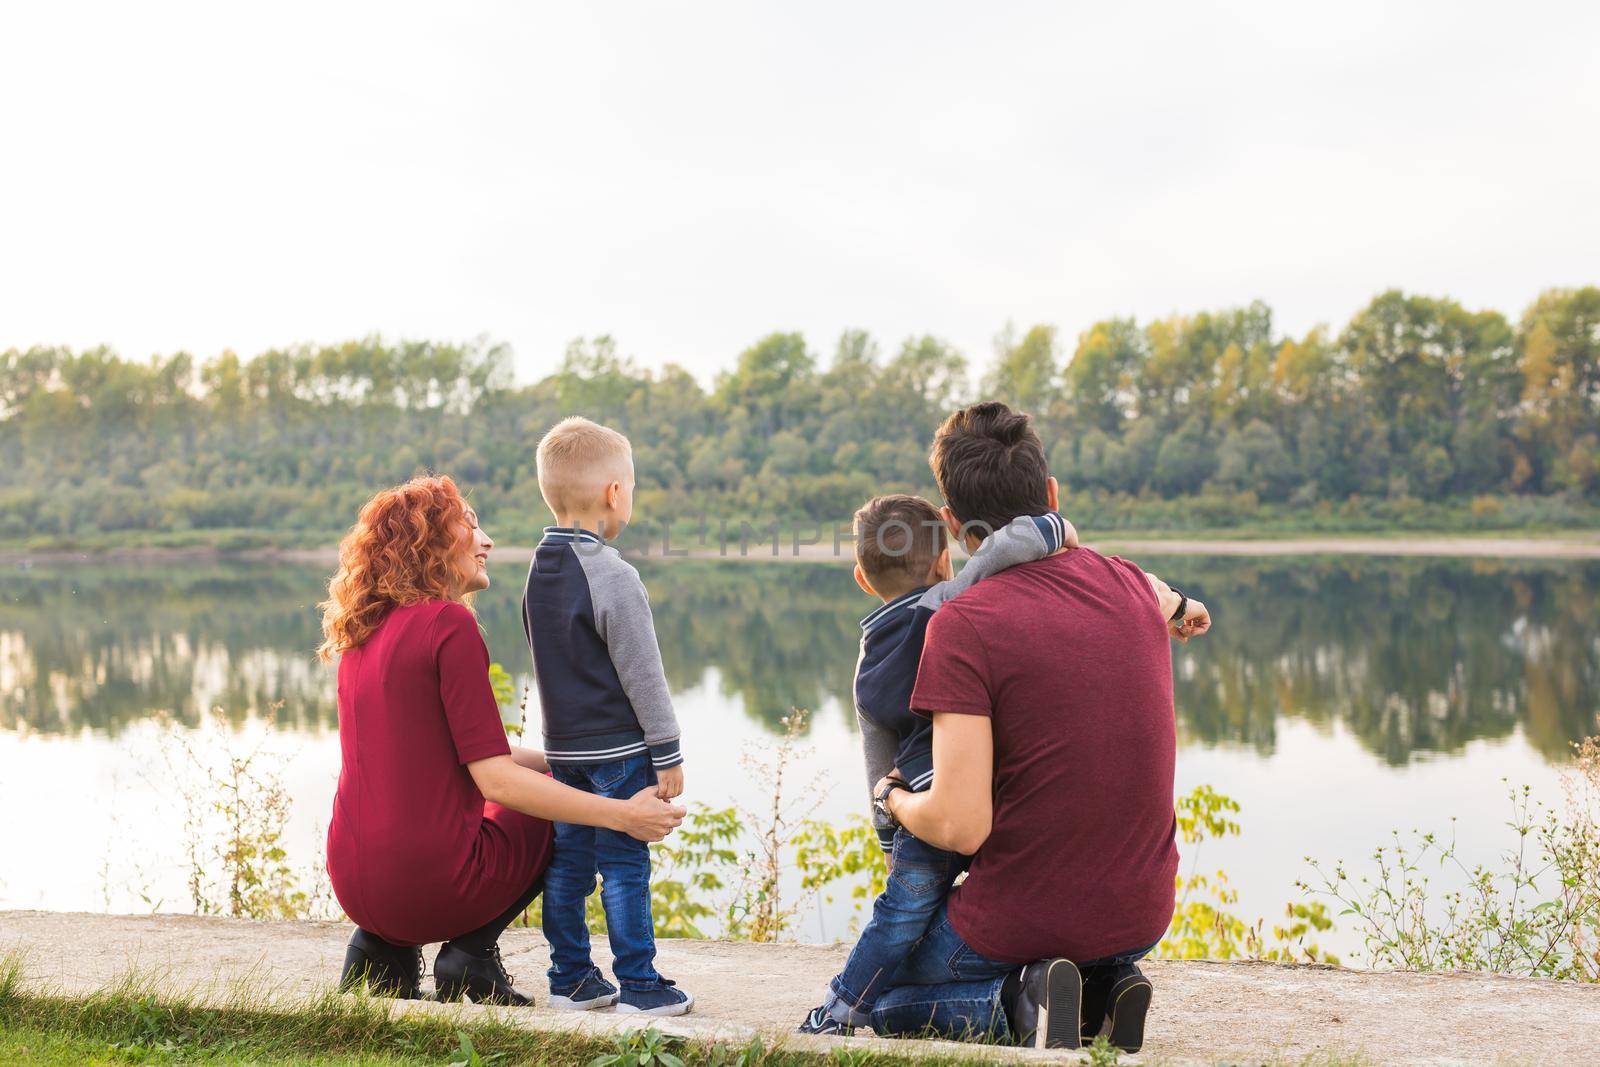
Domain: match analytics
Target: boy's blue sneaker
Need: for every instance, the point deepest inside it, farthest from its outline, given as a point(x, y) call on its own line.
point(821, 1021)
point(662, 999)
point(593, 992)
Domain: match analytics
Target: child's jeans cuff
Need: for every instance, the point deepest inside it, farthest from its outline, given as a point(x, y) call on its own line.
point(843, 1013)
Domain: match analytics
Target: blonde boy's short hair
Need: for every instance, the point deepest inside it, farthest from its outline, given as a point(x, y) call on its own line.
point(577, 460)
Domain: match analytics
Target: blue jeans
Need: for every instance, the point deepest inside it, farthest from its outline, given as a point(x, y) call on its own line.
point(951, 990)
point(624, 867)
point(919, 880)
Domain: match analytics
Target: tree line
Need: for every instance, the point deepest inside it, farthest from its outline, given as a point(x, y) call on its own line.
point(1418, 410)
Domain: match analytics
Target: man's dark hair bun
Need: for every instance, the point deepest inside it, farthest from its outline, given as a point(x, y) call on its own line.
point(990, 466)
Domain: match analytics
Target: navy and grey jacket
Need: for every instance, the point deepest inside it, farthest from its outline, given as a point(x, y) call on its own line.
point(892, 735)
point(602, 690)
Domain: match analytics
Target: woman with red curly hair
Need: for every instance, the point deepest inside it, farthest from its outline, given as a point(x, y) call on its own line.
point(441, 830)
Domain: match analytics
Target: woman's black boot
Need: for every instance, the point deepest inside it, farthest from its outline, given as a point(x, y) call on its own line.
point(481, 978)
point(385, 970)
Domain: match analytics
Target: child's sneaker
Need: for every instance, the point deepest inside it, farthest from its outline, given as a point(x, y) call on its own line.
point(662, 999)
point(593, 992)
point(821, 1021)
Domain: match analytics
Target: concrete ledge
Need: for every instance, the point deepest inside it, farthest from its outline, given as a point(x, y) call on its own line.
point(1204, 1012)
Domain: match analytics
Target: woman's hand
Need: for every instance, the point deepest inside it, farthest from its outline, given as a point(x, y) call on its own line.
point(647, 817)
point(502, 780)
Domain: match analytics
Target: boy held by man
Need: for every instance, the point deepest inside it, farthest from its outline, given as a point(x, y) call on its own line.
point(903, 559)
point(609, 727)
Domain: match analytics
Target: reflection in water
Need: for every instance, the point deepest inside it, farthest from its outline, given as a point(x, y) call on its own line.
point(1414, 656)
point(102, 646)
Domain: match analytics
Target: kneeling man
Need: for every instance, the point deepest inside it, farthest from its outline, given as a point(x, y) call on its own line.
point(1050, 689)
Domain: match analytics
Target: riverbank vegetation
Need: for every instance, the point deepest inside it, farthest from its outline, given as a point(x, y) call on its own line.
point(1419, 907)
point(746, 873)
point(1417, 414)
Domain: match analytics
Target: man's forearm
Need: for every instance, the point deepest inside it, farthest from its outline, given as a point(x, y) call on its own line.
point(1165, 596)
point(930, 818)
point(957, 812)
point(918, 813)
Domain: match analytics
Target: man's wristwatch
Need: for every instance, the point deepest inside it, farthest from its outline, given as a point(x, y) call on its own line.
point(880, 803)
point(1183, 605)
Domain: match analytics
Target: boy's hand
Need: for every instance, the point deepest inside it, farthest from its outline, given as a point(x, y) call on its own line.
point(669, 783)
point(1196, 621)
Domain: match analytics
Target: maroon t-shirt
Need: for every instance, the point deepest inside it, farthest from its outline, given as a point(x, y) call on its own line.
point(415, 853)
point(1069, 658)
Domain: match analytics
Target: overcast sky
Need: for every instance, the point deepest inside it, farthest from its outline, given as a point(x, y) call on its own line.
point(688, 177)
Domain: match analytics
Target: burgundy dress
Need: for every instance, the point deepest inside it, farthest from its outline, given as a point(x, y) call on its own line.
point(415, 854)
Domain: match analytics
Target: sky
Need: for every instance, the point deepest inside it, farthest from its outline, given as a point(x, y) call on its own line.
point(690, 177)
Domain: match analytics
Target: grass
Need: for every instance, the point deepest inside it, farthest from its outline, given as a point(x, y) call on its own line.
point(136, 1021)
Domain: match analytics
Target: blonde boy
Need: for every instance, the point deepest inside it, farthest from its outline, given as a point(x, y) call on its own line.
point(609, 727)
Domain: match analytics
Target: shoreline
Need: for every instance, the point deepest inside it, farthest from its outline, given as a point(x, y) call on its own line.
point(1207, 1012)
point(1584, 545)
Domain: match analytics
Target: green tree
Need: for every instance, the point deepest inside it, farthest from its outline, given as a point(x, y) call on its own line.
point(1025, 372)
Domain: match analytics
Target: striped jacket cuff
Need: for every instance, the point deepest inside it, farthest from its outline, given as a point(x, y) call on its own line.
point(886, 838)
point(666, 754)
point(1053, 528)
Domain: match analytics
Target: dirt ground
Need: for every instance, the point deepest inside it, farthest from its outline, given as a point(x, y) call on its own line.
point(1203, 1012)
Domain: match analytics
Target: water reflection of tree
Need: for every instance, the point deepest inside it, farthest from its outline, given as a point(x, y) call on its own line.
point(100, 646)
point(1412, 656)
point(778, 635)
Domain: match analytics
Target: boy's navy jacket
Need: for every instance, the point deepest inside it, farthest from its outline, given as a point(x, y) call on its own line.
point(892, 735)
point(602, 690)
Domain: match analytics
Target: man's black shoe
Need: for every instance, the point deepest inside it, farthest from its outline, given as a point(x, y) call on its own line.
point(1044, 1013)
point(1128, 1002)
point(385, 970)
point(482, 979)
point(1096, 1002)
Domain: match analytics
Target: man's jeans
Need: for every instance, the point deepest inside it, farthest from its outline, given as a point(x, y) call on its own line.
point(624, 867)
point(950, 990)
point(919, 880)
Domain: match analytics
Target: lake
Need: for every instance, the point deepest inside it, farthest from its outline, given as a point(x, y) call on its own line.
point(1337, 699)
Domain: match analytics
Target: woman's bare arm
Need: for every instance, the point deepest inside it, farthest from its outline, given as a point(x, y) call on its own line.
point(530, 758)
point(504, 781)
